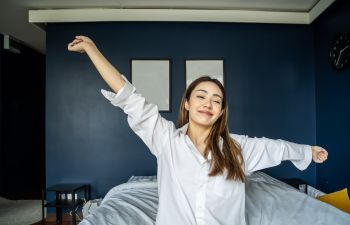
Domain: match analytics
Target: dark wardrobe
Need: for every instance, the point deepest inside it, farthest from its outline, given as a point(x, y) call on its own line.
point(22, 123)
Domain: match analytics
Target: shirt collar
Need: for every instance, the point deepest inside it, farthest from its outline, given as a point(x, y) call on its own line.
point(183, 131)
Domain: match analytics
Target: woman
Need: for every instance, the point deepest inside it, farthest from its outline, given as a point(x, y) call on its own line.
point(201, 167)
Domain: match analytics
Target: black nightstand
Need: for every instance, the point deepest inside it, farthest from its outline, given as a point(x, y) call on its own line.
point(59, 203)
point(295, 182)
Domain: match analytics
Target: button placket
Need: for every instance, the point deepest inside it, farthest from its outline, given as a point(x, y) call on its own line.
point(201, 195)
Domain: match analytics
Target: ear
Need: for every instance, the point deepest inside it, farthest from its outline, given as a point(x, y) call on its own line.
point(187, 106)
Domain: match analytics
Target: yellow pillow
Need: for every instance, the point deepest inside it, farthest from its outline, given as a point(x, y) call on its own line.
point(339, 199)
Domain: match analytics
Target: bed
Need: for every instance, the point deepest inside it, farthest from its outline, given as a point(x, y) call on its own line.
point(268, 202)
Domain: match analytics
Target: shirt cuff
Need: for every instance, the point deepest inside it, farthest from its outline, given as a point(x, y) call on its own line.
point(121, 96)
point(303, 164)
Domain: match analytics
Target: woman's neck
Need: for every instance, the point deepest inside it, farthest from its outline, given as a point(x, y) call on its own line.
point(198, 134)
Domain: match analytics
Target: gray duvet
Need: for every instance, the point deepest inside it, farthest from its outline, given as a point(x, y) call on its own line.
point(268, 202)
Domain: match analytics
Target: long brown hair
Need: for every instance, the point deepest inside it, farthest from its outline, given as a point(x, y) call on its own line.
point(231, 157)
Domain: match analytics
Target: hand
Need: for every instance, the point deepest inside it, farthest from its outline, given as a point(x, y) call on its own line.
point(79, 44)
point(319, 154)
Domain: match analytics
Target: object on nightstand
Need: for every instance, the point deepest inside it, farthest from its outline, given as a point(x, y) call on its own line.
point(67, 196)
point(311, 191)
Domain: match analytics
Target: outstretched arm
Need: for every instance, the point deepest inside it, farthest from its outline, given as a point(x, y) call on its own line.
point(261, 153)
point(108, 72)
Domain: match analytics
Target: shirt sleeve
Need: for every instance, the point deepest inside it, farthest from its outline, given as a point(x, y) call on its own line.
point(143, 117)
point(261, 153)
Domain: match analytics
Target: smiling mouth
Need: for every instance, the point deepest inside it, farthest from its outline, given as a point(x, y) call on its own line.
point(206, 113)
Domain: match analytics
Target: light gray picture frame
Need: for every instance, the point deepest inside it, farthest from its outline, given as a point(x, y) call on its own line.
point(195, 68)
point(151, 77)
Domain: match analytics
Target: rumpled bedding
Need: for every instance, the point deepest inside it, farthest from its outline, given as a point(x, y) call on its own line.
point(268, 202)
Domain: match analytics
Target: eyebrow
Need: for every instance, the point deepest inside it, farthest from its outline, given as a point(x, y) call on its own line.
point(207, 93)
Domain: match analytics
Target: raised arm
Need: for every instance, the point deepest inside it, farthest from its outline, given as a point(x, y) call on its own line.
point(143, 117)
point(108, 72)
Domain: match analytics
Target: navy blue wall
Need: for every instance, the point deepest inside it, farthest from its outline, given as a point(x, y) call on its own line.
point(332, 100)
point(269, 80)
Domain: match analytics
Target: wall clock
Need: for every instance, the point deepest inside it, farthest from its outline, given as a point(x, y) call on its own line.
point(340, 52)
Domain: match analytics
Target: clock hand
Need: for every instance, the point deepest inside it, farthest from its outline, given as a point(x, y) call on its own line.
point(338, 58)
point(344, 49)
point(341, 51)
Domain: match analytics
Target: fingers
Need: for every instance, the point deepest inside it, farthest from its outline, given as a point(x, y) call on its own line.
point(74, 43)
point(323, 154)
point(70, 46)
point(76, 46)
point(319, 154)
point(321, 157)
point(82, 38)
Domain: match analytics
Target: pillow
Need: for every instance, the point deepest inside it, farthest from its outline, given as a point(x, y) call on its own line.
point(142, 178)
point(339, 199)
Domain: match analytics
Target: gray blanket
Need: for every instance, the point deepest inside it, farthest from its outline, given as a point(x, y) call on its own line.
point(268, 202)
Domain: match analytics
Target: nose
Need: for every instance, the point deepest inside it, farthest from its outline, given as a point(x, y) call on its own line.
point(208, 104)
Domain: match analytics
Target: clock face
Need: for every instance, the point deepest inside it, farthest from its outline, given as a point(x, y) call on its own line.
point(340, 51)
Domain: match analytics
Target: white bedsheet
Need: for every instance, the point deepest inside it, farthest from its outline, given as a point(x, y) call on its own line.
point(268, 202)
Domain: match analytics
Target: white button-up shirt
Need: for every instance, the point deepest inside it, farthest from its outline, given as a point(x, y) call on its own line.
point(187, 195)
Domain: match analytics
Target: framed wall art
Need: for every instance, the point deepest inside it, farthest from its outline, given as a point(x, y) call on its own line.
point(196, 68)
point(151, 77)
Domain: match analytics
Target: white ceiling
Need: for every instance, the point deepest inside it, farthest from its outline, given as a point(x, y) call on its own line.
point(14, 13)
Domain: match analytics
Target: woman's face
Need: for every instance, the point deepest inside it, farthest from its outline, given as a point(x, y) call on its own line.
point(205, 104)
